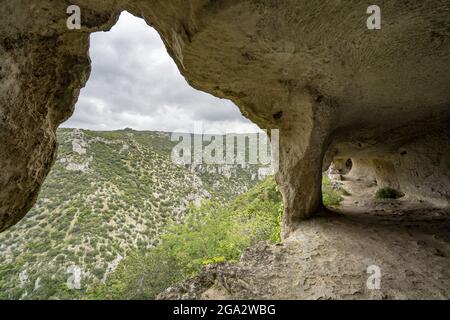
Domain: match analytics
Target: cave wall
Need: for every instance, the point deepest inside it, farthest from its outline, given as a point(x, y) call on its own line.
point(311, 69)
point(423, 168)
point(420, 169)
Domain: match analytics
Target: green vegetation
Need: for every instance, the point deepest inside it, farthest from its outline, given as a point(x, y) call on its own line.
point(114, 195)
point(387, 193)
point(108, 194)
point(331, 197)
point(210, 234)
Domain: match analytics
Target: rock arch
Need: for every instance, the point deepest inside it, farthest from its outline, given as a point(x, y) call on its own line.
point(312, 69)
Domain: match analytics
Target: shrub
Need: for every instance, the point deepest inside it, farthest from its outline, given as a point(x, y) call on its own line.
point(331, 197)
point(387, 193)
point(209, 234)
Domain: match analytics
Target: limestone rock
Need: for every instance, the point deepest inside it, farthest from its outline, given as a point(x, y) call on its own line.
point(309, 68)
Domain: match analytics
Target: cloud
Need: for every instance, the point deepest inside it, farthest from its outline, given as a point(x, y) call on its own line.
point(134, 83)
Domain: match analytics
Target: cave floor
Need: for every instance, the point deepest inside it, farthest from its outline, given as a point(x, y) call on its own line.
point(328, 257)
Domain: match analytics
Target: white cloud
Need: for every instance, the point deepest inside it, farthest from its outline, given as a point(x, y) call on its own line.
point(134, 83)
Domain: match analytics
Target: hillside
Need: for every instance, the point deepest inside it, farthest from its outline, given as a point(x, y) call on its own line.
point(211, 233)
point(108, 193)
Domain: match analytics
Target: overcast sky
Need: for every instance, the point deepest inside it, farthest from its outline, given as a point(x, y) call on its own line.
point(134, 83)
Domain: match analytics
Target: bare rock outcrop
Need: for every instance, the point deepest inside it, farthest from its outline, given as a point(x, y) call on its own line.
point(312, 69)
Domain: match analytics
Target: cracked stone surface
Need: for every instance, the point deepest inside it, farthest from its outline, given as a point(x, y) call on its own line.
point(312, 69)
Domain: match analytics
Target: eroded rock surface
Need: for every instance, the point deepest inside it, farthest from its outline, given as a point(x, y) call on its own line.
point(309, 68)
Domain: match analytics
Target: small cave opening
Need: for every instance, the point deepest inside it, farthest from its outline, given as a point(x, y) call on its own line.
point(348, 165)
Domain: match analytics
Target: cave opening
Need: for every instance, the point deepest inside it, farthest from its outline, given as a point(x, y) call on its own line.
point(118, 190)
point(114, 190)
point(348, 164)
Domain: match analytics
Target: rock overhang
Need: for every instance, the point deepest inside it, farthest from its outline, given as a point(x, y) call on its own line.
point(311, 69)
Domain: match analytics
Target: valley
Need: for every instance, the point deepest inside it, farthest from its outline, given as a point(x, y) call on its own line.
point(108, 193)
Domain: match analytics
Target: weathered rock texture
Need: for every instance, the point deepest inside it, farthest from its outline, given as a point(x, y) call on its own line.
point(310, 68)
